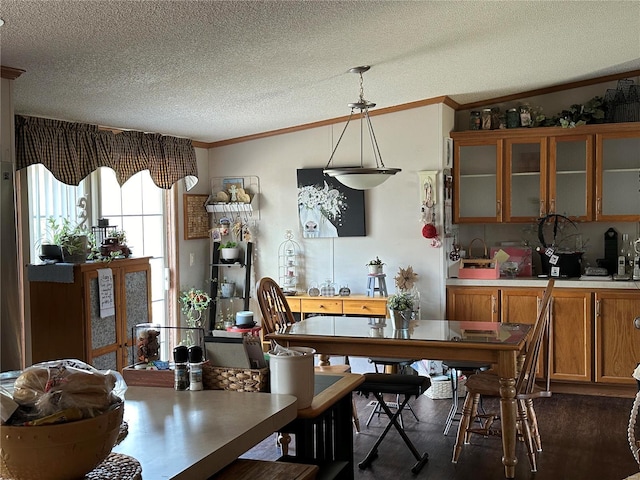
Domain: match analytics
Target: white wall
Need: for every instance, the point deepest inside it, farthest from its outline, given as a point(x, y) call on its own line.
point(411, 140)
point(194, 274)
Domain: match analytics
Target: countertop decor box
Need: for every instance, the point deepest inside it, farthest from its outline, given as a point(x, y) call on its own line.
point(480, 269)
point(148, 378)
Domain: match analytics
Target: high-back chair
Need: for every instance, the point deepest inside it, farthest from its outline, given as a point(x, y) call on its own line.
point(277, 314)
point(488, 384)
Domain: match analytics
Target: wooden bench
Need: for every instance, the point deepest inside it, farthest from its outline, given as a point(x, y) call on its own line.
point(246, 469)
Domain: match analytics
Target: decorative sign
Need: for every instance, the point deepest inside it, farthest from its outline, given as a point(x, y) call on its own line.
point(196, 218)
point(105, 293)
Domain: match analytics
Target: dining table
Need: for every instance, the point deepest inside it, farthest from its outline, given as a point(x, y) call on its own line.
point(496, 343)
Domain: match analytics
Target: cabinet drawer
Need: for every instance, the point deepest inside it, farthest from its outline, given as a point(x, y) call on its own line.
point(294, 304)
point(321, 305)
point(365, 307)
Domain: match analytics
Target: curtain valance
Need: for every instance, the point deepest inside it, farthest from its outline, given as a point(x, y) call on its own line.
point(71, 151)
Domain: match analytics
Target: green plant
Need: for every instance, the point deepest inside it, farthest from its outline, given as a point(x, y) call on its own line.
point(194, 302)
point(400, 301)
point(227, 245)
point(71, 238)
point(375, 261)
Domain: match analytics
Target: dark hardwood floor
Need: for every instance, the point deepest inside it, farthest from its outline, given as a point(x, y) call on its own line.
point(583, 438)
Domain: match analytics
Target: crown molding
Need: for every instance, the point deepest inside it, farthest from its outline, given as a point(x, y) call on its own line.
point(10, 72)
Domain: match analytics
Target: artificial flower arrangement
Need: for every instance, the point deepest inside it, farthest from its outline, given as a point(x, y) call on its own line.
point(400, 301)
point(194, 302)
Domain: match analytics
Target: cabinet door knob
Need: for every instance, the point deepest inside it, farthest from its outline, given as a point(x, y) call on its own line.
point(636, 322)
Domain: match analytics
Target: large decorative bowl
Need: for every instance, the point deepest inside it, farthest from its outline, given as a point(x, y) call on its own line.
point(65, 451)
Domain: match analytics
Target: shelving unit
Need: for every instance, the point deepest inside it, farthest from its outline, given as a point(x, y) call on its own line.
point(239, 272)
point(251, 185)
point(289, 264)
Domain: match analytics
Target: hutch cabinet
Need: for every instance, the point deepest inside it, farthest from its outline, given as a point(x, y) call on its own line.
point(65, 312)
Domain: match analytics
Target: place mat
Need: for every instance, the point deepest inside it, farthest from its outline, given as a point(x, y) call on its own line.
point(116, 467)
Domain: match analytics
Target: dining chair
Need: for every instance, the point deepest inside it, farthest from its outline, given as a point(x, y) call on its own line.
point(488, 384)
point(276, 314)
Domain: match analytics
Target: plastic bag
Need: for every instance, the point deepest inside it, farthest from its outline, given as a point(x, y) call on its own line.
point(48, 388)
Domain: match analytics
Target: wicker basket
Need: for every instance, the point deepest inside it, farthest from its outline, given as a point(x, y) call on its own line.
point(235, 379)
point(441, 388)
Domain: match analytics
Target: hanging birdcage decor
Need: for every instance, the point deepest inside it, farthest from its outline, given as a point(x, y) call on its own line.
point(289, 264)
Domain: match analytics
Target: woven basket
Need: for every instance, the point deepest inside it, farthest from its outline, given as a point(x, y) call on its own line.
point(441, 389)
point(235, 379)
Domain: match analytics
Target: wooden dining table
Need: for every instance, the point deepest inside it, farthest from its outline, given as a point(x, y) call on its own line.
point(487, 342)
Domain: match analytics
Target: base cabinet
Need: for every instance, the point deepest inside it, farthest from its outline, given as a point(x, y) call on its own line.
point(66, 320)
point(593, 334)
point(479, 304)
point(571, 338)
point(617, 336)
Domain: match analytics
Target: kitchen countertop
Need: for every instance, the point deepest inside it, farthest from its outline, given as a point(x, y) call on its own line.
point(535, 282)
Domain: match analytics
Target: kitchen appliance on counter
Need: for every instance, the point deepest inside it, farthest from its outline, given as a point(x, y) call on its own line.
point(559, 254)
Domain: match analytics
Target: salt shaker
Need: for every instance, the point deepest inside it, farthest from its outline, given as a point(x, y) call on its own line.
point(195, 368)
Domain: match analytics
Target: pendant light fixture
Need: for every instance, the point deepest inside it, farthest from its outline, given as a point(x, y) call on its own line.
point(361, 178)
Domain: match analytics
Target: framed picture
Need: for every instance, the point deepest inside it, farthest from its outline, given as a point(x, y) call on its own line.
point(196, 218)
point(327, 208)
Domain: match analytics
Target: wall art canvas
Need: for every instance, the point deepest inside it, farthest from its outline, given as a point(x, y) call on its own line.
point(326, 208)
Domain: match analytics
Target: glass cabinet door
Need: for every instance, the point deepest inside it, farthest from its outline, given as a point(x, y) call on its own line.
point(618, 176)
point(478, 181)
point(570, 176)
point(526, 185)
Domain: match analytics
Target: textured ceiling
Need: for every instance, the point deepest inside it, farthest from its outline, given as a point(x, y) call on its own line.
point(214, 70)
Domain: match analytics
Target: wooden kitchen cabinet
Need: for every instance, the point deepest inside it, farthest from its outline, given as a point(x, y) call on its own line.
point(520, 175)
point(618, 174)
point(571, 335)
point(65, 316)
point(477, 180)
point(617, 340)
point(479, 304)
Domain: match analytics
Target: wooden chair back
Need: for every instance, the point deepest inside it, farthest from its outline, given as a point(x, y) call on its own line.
point(273, 306)
point(526, 382)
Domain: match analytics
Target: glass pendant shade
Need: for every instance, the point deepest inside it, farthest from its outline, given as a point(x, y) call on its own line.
point(361, 178)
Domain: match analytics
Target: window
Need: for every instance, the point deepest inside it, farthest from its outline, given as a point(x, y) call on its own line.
point(137, 208)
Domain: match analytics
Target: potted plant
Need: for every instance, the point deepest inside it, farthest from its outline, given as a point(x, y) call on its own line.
point(71, 239)
point(375, 266)
point(229, 251)
point(400, 309)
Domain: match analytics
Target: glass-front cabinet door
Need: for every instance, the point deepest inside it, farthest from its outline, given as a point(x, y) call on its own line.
point(571, 176)
point(526, 179)
point(478, 181)
point(618, 176)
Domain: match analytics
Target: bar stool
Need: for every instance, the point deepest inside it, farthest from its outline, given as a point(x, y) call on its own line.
point(396, 384)
point(371, 284)
point(454, 369)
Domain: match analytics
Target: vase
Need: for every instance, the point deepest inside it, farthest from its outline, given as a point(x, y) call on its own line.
point(400, 319)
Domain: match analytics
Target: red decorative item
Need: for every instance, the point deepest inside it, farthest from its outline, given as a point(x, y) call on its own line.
point(429, 231)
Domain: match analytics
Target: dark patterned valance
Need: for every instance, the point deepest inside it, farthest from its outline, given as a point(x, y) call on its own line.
point(71, 151)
